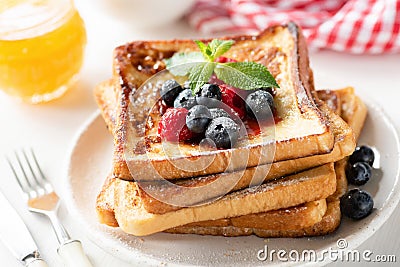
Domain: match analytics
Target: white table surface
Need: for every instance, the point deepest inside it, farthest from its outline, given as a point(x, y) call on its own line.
point(50, 128)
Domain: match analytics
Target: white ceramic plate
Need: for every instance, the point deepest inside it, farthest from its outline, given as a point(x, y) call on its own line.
point(90, 162)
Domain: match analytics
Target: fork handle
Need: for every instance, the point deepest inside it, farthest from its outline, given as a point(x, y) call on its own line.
point(73, 255)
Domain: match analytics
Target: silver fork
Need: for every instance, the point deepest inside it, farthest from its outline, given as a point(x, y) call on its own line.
point(42, 199)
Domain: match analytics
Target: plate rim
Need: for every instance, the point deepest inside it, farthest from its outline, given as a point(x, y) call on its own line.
point(389, 205)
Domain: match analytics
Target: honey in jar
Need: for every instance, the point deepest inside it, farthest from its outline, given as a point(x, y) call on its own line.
point(41, 48)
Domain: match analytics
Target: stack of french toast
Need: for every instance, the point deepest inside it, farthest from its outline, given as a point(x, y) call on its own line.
point(183, 188)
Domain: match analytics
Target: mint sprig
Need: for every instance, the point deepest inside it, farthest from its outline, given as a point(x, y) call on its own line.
point(246, 75)
point(199, 66)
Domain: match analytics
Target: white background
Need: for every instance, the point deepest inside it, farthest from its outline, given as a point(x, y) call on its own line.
point(50, 128)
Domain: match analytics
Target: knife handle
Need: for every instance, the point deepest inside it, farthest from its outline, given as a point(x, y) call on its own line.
point(37, 263)
point(73, 255)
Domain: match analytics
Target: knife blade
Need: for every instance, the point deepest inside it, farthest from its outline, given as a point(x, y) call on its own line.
point(16, 236)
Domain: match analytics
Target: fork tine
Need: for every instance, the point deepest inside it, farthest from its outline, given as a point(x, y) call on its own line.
point(23, 170)
point(28, 162)
point(16, 176)
point(38, 166)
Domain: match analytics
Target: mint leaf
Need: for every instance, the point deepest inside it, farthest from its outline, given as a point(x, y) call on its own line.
point(245, 75)
point(219, 47)
point(200, 74)
point(205, 50)
point(215, 48)
point(181, 63)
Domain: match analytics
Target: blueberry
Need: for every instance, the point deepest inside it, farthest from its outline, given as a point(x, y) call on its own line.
point(356, 204)
point(170, 89)
point(358, 173)
point(218, 112)
point(259, 105)
point(224, 132)
point(209, 95)
point(185, 99)
point(198, 118)
point(362, 154)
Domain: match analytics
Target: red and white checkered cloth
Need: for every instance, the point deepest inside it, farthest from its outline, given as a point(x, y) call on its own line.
point(355, 26)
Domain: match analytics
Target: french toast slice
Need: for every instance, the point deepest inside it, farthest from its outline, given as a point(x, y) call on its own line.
point(301, 216)
point(106, 101)
point(302, 130)
point(315, 184)
point(344, 145)
point(329, 222)
point(354, 111)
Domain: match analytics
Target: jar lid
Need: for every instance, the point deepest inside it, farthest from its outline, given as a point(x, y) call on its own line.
point(23, 19)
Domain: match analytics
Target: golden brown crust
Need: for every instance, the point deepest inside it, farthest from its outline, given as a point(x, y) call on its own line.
point(332, 99)
point(341, 180)
point(107, 103)
point(105, 203)
point(354, 111)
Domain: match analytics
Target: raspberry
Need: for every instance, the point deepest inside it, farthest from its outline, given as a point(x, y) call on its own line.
point(224, 60)
point(231, 98)
point(172, 126)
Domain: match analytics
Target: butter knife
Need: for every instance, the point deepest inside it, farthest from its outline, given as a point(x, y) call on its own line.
point(16, 236)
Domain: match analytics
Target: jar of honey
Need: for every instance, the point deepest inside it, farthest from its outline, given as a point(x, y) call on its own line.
point(41, 48)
